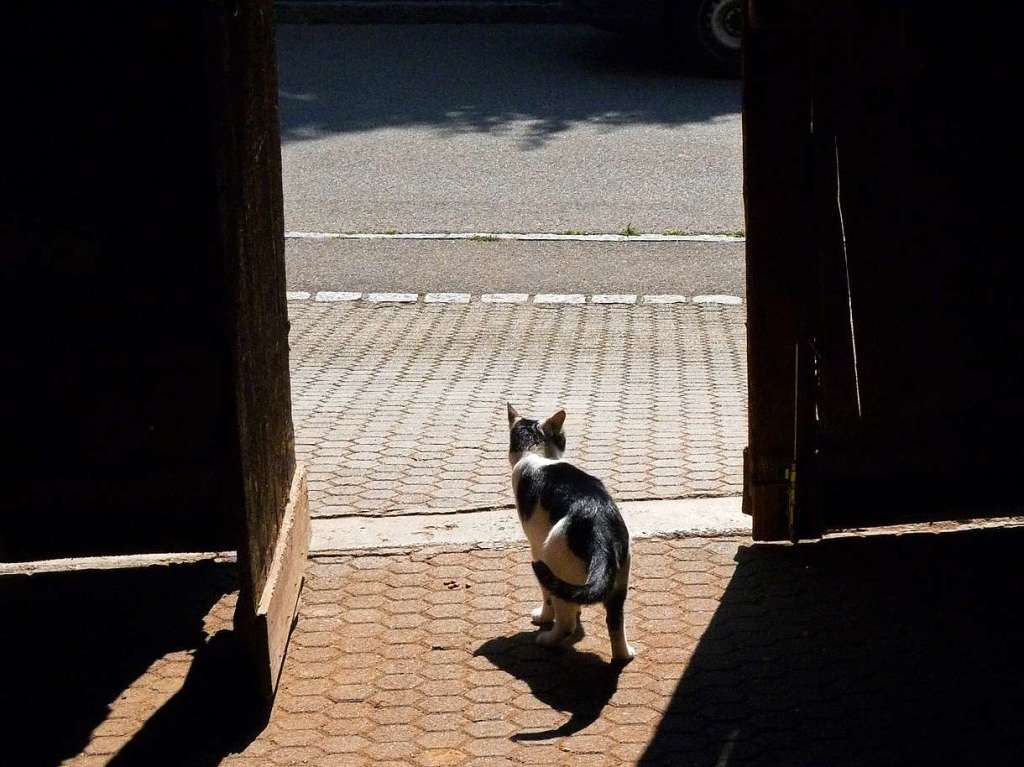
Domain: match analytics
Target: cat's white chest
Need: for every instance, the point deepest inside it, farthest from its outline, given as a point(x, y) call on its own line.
point(537, 525)
point(537, 528)
point(548, 542)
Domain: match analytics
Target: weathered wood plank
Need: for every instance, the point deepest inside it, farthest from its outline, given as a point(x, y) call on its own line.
point(243, 81)
point(279, 602)
point(273, 524)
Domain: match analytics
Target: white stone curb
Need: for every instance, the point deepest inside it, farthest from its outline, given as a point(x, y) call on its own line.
point(446, 298)
point(330, 295)
point(505, 298)
point(726, 300)
point(521, 237)
point(333, 296)
point(559, 298)
point(396, 298)
point(664, 299)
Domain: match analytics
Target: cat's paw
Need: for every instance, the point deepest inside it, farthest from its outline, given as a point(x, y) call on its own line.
point(550, 638)
point(541, 616)
point(624, 657)
point(577, 634)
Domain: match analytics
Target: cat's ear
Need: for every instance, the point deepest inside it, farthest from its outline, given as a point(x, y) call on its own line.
point(554, 424)
point(512, 414)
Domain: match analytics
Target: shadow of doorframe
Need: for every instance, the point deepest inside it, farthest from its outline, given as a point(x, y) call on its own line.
point(878, 650)
point(76, 641)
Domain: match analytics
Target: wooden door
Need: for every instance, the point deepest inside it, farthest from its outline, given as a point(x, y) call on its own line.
point(142, 230)
point(275, 520)
point(884, 325)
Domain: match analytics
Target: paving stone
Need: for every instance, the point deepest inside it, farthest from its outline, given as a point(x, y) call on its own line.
point(833, 653)
point(401, 408)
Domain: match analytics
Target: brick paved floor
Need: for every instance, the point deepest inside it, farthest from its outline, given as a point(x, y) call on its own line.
point(403, 407)
point(884, 650)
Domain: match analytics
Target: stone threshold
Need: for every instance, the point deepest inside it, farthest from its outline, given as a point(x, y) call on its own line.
point(700, 517)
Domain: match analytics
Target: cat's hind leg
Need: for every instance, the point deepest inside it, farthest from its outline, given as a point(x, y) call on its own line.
point(614, 607)
point(543, 615)
point(578, 633)
point(566, 621)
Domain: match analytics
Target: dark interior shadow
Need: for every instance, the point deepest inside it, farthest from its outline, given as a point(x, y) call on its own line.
point(884, 650)
point(73, 642)
point(466, 78)
point(579, 683)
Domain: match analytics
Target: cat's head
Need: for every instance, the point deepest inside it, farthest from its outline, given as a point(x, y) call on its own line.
point(542, 437)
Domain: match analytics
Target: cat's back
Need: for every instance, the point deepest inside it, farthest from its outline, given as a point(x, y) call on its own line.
point(562, 489)
point(562, 477)
point(558, 497)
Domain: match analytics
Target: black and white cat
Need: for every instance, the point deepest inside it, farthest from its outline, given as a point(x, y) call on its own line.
point(579, 542)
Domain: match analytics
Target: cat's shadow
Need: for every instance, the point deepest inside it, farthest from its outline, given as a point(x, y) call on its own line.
point(577, 683)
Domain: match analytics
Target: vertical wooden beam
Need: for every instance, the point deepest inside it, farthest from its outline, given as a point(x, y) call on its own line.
point(777, 116)
point(274, 525)
point(277, 607)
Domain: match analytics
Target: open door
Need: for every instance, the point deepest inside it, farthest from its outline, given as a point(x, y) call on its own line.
point(884, 327)
point(276, 532)
point(143, 217)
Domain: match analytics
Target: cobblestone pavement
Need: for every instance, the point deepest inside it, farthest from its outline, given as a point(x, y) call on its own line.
point(884, 650)
point(403, 407)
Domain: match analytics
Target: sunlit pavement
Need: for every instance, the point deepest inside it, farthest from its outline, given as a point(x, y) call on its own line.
point(400, 409)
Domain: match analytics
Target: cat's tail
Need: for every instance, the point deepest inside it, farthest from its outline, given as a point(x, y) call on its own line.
point(599, 581)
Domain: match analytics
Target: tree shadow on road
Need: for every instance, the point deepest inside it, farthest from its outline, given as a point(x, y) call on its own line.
point(579, 683)
point(538, 81)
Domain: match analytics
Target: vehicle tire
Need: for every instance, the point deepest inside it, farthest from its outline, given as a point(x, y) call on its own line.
point(708, 33)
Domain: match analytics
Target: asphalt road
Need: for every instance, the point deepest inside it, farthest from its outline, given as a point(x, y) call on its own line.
point(686, 268)
point(541, 128)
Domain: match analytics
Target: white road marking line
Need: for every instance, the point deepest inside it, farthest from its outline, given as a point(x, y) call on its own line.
point(664, 298)
point(518, 236)
point(559, 298)
point(297, 295)
point(726, 300)
point(505, 298)
point(333, 295)
point(397, 298)
point(446, 298)
point(613, 298)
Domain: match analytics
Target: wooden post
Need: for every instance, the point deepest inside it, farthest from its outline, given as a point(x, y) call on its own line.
point(776, 155)
point(274, 525)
